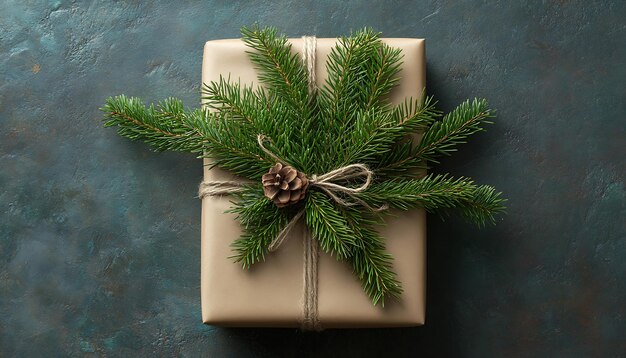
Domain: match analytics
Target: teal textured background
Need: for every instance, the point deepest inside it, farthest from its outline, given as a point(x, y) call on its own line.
point(100, 237)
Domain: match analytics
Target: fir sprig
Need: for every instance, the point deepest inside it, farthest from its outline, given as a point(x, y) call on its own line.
point(261, 222)
point(349, 120)
point(437, 194)
point(370, 261)
point(166, 126)
point(279, 68)
point(441, 138)
point(329, 226)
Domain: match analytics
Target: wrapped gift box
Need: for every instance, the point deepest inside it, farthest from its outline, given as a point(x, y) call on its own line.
point(270, 293)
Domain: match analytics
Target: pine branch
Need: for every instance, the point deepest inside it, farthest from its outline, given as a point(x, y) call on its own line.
point(278, 67)
point(416, 115)
point(399, 163)
point(233, 145)
point(337, 102)
point(167, 126)
point(377, 135)
point(283, 73)
point(261, 222)
point(381, 72)
point(371, 135)
point(263, 112)
point(370, 261)
point(231, 99)
point(396, 140)
point(440, 139)
point(343, 90)
point(483, 206)
point(443, 137)
point(439, 194)
point(328, 226)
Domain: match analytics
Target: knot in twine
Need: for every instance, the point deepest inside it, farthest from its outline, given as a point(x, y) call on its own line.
point(329, 183)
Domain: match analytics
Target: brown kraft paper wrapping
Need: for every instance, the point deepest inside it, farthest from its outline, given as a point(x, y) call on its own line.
point(270, 293)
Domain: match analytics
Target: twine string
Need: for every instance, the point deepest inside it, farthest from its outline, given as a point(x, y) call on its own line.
point(219, 188)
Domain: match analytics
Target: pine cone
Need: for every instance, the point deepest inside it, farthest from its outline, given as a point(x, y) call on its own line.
point(284, 185)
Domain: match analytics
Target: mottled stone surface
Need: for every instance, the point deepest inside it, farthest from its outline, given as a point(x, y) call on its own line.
point(99, 236)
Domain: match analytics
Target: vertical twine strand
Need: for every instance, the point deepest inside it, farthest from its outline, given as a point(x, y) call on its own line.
point(308, 57)
point(310, 320)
